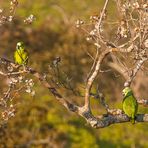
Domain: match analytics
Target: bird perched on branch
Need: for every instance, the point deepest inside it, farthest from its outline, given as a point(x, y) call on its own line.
point(21, 55)
point(130, 105)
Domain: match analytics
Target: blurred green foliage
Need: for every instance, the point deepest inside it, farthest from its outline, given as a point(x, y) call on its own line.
point(42, 117)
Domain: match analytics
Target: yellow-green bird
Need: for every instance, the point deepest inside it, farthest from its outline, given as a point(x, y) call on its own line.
point(20, 54)
point(130, 105)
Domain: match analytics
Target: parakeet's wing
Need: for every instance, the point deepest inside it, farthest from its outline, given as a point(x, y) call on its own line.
point(21, 56)
point(17, 57)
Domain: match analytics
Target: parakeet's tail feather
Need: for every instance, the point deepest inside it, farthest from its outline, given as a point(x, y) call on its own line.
point(133, 120)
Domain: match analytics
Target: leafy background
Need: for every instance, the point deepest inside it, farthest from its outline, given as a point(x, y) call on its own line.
point(41, 117)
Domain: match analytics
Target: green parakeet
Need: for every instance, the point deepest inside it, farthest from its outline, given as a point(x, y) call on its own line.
point(130, 105)
point(21, 55)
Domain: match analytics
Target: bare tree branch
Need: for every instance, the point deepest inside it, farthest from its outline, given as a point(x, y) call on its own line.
point(113, 116)
point(98, 25)
point(93, 76)
point(135, 71)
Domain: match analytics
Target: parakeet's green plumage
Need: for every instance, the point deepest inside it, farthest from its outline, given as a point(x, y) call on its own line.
point(21, 55)
point(130, 105)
